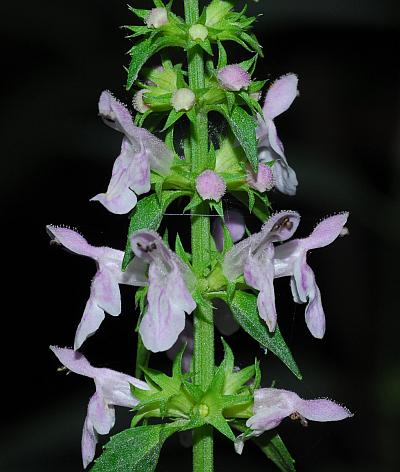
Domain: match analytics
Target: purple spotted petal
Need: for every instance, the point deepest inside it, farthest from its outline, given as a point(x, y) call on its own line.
point(279, 227)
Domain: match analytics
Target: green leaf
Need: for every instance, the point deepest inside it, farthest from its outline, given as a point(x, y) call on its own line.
point(142, 51)
point(244, 127)
point(139, 12)
point(244, 308)
point(222, 58)
point(180, 251)
point(251, 40)
point(148, 214)
point(137, 449)
point(218, 208)
point(172, 118)
point(273, 447)
point(249, 64)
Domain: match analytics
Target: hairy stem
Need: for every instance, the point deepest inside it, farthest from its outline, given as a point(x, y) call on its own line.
point(203, 318)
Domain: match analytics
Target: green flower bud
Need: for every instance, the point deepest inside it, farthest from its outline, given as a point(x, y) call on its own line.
point(198, 32)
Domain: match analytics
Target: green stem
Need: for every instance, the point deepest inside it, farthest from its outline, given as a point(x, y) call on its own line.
point(203, 359)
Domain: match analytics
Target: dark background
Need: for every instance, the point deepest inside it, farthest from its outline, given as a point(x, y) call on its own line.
point(341, 137)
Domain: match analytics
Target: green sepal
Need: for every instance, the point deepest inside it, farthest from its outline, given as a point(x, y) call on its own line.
point(222, 57)
point(180, 251)
point(251, 103)
point(165, 237)
point(148, 214)
point(244, 309)
point(256, 86)
point(173, 117)
point(252, 200)
point(191, 114)
point(228, 242)
point(230, 100)
point(217, 207)
point(139, 12)
point(142, 117)
point(194, 202)
point(251, 40)
point(206, 45)
point(140, 300)
point(169, 139)
point(137, 31)
point(250, 64)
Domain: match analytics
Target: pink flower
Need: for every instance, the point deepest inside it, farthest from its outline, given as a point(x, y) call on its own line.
point(104, 290)
point(279, 97)
point(210, 186)
point(272, 405)
point(112, 389)
point(140, 152)
point(233, 78)
point(169, 296)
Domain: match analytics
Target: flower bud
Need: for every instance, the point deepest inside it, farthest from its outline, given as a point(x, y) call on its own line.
point(138, 102)
point(210, 186)
point(233, 77)
point(198, 32)
point(157, 17)
point(263, 180)
point(183, 99)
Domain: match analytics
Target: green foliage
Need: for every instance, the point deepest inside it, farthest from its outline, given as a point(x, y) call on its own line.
point(137, 449)
point(148, 214)
point(244, 308)
point(274, 448)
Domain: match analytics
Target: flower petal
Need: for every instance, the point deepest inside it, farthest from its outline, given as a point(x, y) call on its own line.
point(285, 179)
point(92, 318)
point(280, 96)
point(184, 338)
point(168, 299)
point(326, 231)
point(116, 115)
point(88, 443)
point(105, 291)
point(101, 414)
point(259, 274)
point(322, 410)
point(120, 197)
point(72, 241)
point(115, 387)
point(74, 361)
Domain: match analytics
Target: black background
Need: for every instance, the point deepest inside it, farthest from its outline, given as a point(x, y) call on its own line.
point(342, 138)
